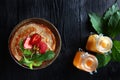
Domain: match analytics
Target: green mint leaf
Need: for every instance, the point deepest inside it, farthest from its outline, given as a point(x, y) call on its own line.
point(107, 59)
point(37, 63)
point(114, 25)
point(39, 58)
point(35, 57)
point(21, 46)
point(27, 62)
point(103, 59)
point(30, 66)
point(47, 56)
point(96, 22)
point(111, 11)
point(27, 52)
point(116, 51)
point(30, 63)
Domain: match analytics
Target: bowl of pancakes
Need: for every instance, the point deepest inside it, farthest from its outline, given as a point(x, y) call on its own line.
point(34, 43)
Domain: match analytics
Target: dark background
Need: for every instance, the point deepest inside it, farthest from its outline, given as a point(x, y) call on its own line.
point(71, 19)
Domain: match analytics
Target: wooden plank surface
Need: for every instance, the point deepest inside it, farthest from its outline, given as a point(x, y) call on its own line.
point(71, 19)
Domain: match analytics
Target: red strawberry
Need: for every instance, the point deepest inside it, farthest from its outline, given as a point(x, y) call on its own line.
point(35, 39)
point(42, 47)
point(27, 44)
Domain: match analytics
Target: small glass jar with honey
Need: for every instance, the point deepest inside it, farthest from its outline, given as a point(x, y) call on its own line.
point(85, 61)
point(99, 43)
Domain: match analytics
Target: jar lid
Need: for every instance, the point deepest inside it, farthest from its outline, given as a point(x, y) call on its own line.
point(89, 62)
point(103, 44)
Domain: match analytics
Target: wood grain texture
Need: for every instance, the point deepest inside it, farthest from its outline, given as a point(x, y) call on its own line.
point(71, 19)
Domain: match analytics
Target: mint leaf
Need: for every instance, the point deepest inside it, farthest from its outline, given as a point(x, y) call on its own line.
point(114, 8)
point(103, 59)
point(27, 62)
point(116, 51)
point(96, 22)
point(47, 56)
point(21, 46)
point(114, 25)
point(39, 58)
point(35, 57)
point(37, 63)
point(24, 60)
point(30, 63)
point(27, 52)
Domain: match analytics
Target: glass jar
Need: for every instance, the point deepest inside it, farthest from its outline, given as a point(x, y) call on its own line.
point(103, 44)
point(99, 43)
point(85, 61)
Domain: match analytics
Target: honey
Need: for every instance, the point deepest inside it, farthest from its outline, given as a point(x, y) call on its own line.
point(85, 61)
point(89, 63)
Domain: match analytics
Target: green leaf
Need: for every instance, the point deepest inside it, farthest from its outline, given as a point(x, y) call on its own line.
point(37, 63)
point(27, 52)
point(111, 11)
point(96, 22)
point(47, 56)
point(103, 59)
point(21, 46)
point(116, 51)
point(114, 25)
point(35, 57)
point(27, 62)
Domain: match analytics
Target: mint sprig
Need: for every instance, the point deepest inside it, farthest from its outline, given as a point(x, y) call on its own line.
point(108, 24)
point(31, 59)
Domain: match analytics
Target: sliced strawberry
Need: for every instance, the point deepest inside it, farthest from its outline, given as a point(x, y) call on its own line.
point(42, 47)
point(35, 39)
point(27, 44)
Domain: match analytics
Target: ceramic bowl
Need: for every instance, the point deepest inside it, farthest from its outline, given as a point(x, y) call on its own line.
point(38, 21)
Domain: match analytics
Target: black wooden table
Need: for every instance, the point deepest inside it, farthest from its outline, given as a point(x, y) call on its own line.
point(71, 19)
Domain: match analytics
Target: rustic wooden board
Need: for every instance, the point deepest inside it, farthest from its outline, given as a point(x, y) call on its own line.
point(71, 19)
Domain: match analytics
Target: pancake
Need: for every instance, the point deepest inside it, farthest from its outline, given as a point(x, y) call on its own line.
point(29, 29)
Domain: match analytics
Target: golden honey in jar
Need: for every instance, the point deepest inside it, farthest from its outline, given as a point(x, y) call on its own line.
point(99, 43)
point(85, 61)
